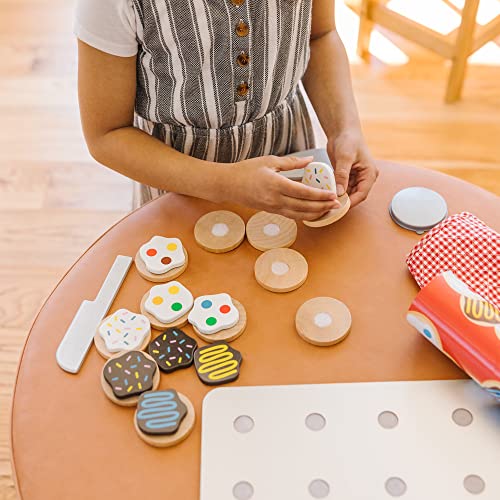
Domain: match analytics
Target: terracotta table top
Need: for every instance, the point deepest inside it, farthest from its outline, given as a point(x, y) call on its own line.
point(70, 442)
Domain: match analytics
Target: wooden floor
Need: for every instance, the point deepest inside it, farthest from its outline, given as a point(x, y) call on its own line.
point(54, 200)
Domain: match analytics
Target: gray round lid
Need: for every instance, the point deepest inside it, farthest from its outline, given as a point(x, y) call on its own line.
point(418, 209)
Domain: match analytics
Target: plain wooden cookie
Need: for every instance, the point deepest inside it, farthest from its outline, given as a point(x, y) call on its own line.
point(131, 401)
point(156, 323)
point(164, 441)
point(159, 278)
point(266, 231)
point(281, 270)
point(333, 215)
point(220, 231)
point(323, 321)
point(228, 334)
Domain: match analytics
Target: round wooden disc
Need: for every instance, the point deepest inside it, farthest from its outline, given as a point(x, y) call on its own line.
point(101, 345)
point(182, 433)
point(156, 323)
point(333, 215)
point(229, 334)
point(266, 231)
point(220, 231)
point(323, 321)
point(281, 270)
point(132, 401)
point(159, 278)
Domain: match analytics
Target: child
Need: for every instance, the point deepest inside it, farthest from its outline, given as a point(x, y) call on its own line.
point(204, 97)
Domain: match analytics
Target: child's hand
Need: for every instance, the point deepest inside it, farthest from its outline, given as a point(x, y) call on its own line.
point(257, 184)
point(355, 170)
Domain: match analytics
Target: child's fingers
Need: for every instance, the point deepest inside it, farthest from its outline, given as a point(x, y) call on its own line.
point(299, 216)
point(291, 162)
point(309, 207)
point(302, 192)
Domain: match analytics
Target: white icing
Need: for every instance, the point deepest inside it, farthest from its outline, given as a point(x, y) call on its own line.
point(319, 175)
point(271, 230)
point(170, 248)
point(124, 331)
point(279, 268)
point(323, 320)
point(202, 311)
point(162, 299)
point(220, 229)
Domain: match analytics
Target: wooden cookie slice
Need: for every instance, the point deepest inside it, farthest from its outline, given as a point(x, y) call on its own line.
point(157, 324)
point(266, 231)
point(333, 215)
point(159, 278)
point(228, 334)
point(111, 321)
point(114, 372)
point(281, 270)
point(323, 321)
point(220, 231)
point(157, 410)
point(218, 363)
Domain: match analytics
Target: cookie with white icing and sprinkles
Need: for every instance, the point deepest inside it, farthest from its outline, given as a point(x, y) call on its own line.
point(319, 175)
point(172, 350)
point(125, 377)
point(218, 363)
point(164, 418)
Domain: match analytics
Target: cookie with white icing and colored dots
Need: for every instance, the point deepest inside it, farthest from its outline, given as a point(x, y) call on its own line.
point(319, 175)
point(122, 331)
point(172, 350)
point(161, 259)
point(126, 376)
point(217, 317)
point(168, 304)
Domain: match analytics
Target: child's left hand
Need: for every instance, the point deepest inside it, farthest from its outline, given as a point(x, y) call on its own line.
point(355, 170)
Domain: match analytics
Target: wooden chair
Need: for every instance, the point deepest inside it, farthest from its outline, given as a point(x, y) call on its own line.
point(457, 46)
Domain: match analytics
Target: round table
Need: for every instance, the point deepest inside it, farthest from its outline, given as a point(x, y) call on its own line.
point(70, 442)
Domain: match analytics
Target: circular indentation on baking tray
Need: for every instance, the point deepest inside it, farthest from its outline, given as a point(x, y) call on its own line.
point(243, 490)
point(462, 417)
point(315, 422)
point(395, 486)
point(319, 488)
point(388, 420)
point(243, 424)
point(474, 484)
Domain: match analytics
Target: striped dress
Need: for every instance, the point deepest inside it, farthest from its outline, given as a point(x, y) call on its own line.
point(220, 79)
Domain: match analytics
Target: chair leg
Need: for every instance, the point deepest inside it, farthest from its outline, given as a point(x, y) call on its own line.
point(365, 30)
point(463, 46)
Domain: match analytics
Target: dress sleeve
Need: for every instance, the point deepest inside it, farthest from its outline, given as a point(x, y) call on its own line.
point(107, 25)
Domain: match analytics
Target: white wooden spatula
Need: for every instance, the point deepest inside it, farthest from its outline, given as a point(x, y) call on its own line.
point(76, 342)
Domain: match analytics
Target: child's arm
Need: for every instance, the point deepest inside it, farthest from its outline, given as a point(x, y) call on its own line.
point(328, 84)
point(107, 86)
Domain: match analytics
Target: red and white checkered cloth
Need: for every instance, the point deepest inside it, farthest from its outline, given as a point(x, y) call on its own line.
point(465, 245)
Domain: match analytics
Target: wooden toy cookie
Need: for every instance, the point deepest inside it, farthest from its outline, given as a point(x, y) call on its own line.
point(164, 418)
point(218, 317)
point(333, 215)
point(319, 175)
point(172, 350)
point(281, 270)
point(220, 231)
point(218, 363)
point(122, 331)
point(161, 259)
point(126, 376)
point(266, 231)
point(167, 305)
point(323, 321)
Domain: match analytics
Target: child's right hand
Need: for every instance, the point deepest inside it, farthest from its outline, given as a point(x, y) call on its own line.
point(256, 183)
